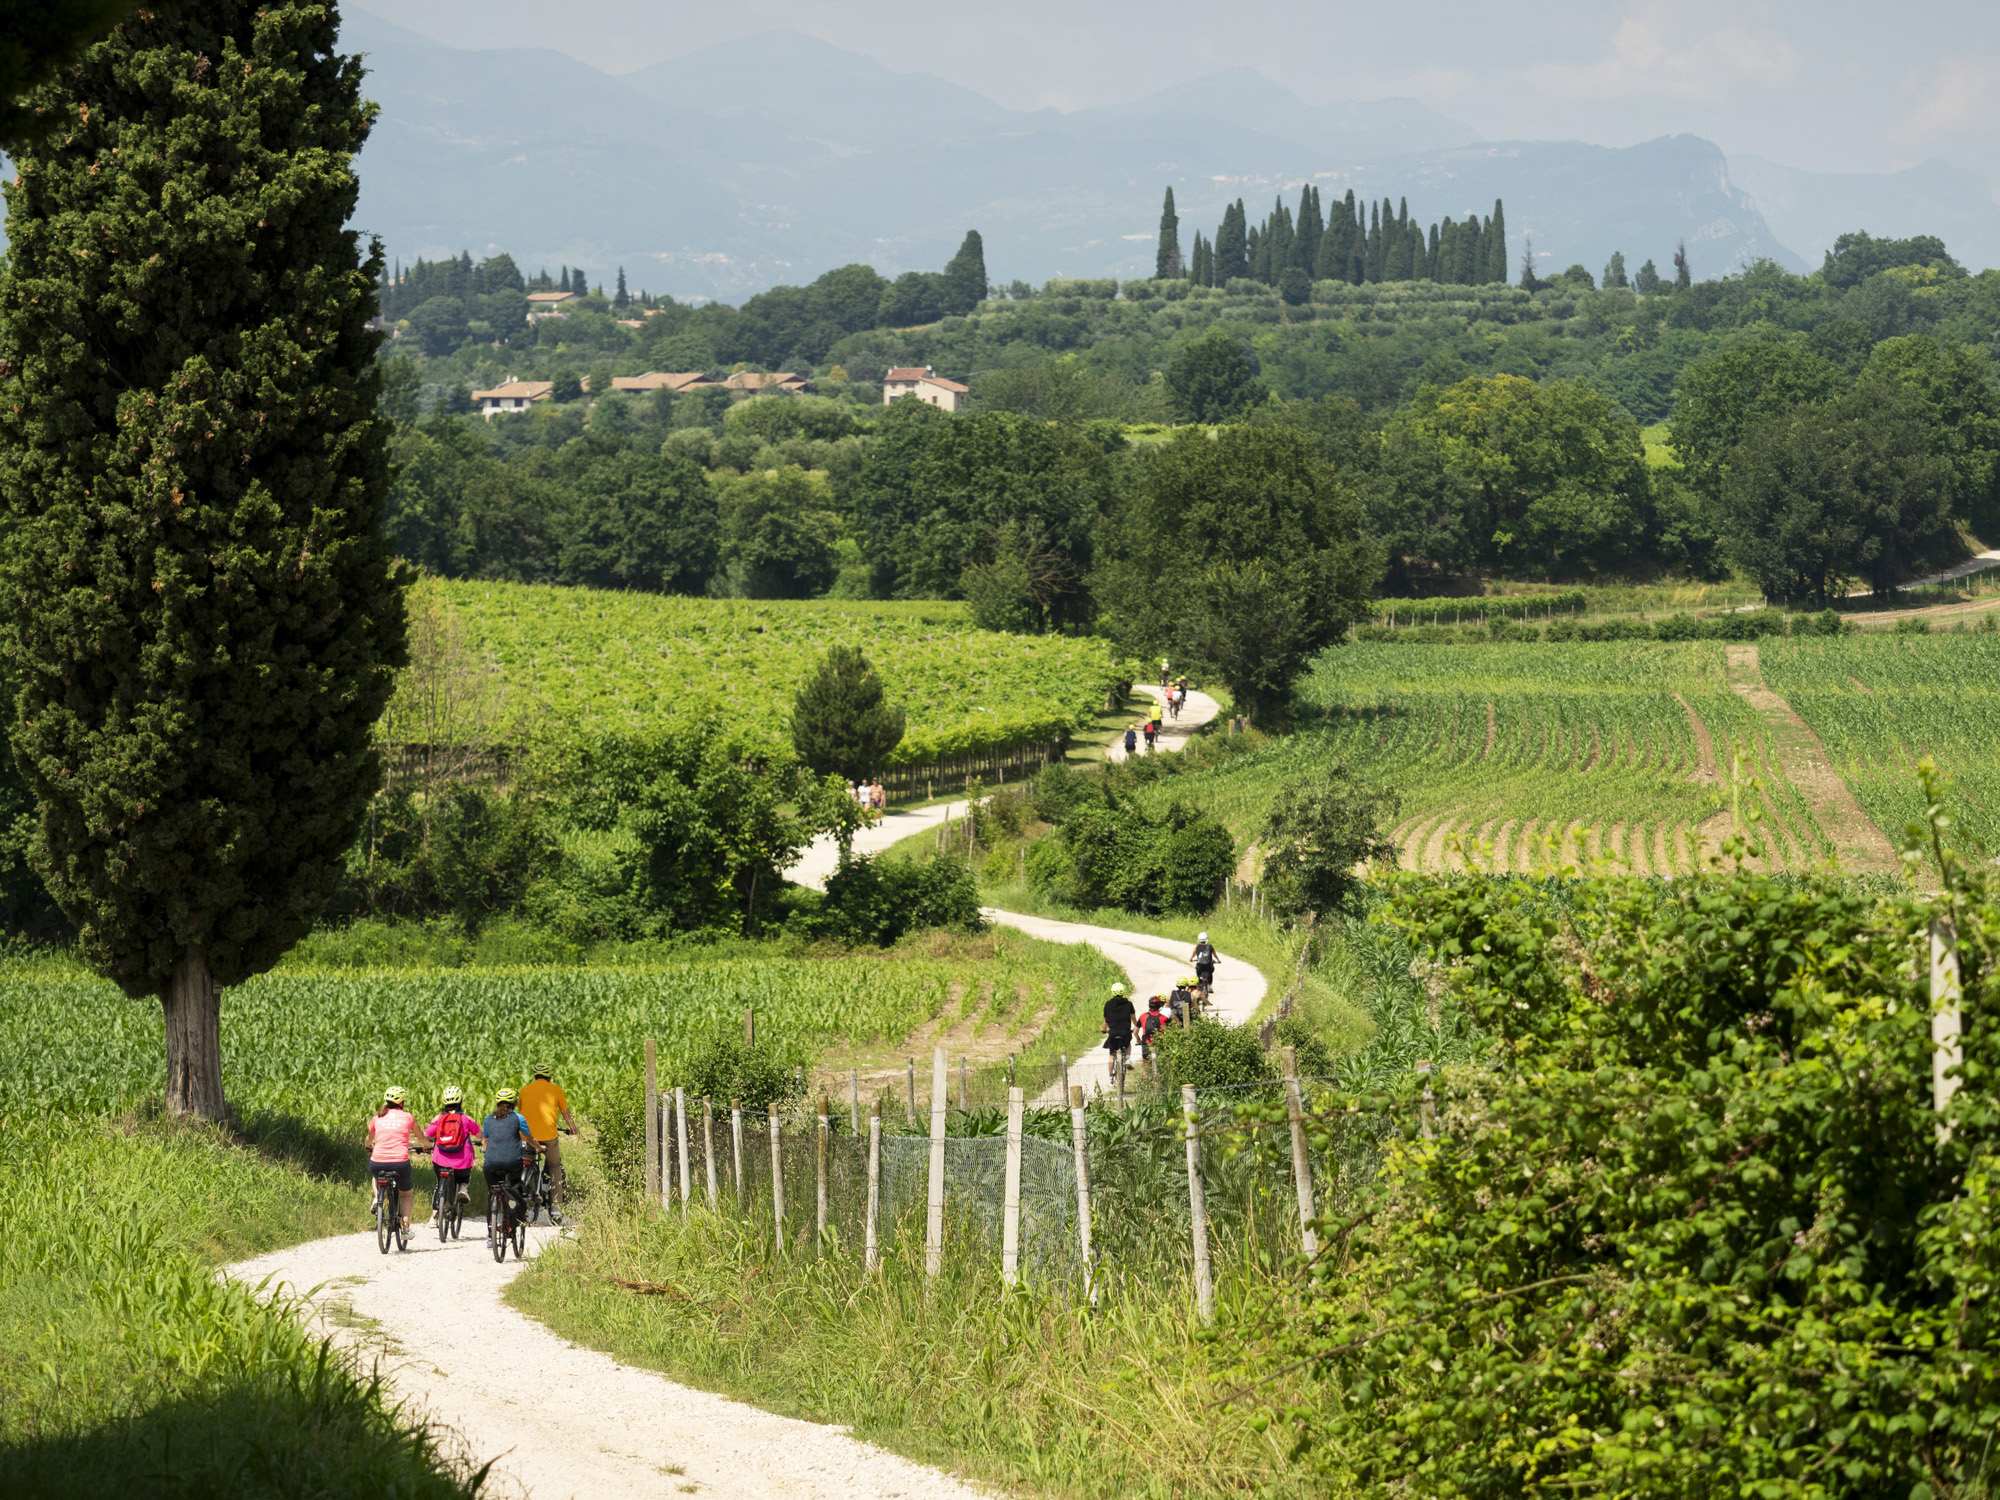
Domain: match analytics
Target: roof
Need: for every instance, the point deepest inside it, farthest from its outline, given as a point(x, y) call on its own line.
point(550, 296)
point(946, 385)
point(751, 380)
point(907, 374)
point(517, 390)
point(654, 380)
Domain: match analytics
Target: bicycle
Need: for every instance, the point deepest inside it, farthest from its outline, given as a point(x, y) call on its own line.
point(388, 1211)
point(538, 1194)
point(447, 1215)
point(503, 1225)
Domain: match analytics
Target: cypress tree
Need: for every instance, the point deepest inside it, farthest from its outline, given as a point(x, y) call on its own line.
point(965, 276)
point(1373, 265)
point(1330, 256)
point(1305, 243)
point(843, 723)
point(1200, 269)
point(621, 298)
point(1432, 252)
point(1232, 250)
point(563, 285)
point(1258, 253)
point(1494, 241)
point(1167, 259)
point(204, 617)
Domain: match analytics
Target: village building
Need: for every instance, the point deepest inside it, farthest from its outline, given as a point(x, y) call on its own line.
point(657, 380)
point(548, 304)
point(926, 385)
point(512, 395)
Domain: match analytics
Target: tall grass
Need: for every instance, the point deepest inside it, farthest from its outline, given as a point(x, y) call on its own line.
point(131, 1369)
point(1028, 1387)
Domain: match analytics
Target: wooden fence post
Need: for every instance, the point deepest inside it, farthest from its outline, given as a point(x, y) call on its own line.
point(708, 1148)
point(1010, 1211)
point(749, 1026)
point(1204, 1272)
point(854, 1100)
point(681, 1138)
point(1080, 1142)
point(874, 1251)
point(964, 1094)
point(777, 1182)
point(666, 1134)
point(1426, 1111)
point(651, 1185)
point(1947, 1050)
point(825, 1131)
point(913, 1091)
point(1302, 1172)
point(736, 1148)
point(934, 1225)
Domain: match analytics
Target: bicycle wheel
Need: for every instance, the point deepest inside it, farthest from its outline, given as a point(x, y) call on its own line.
point(441, 1195)
point(521, 1230)
point(384, 1217)
point(497, 1228)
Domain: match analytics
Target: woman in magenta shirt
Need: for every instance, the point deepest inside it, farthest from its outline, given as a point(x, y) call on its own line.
point(388, 1142)
point(453, 1123)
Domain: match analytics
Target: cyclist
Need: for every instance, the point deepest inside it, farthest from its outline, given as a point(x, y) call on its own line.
point(1156, 1020)
point(507, 1141)
point(1118, 1016)
point(388, 1143)
point(451, 1135)
point(1131, 739)
point(1204, 958)
point(541, 1102)
point(1180, 1000)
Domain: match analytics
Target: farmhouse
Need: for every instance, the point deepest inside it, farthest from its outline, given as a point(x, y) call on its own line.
point(512, 395)
point(657, 380)
point(754, 382)
point(548, 304)
point(925, 384)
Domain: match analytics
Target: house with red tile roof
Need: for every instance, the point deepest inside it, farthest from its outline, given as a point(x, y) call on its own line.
point(926, 385)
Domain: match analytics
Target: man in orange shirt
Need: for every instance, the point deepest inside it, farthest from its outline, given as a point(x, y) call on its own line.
point(541, 1103)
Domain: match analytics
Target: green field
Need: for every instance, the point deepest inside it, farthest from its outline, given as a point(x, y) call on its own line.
point(590, 659)
point(1882, 702)
point(1572, 752)
point(324, 1042)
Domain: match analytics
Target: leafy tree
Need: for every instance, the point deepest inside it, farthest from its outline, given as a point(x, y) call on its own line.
point(1963, 407)
point(204, 615)
point(1243, 551)
point(1295, 286)
point(1683, 272)
point(1109, 851)
point(1317, 834)
point(567, 385)
point(1723, 395)
point(1550, 479)
point(879, 900)
point(1840, 490)
point(439, 324)
point(849, 296)
point(1614, 272)
point(778, 534)
point(1647, 280)
point(1214, 379)
point(843, 723)
point(914, 298)
point(965, 276)
point(1001, 593)
point(635, 520)
point(1856, 257)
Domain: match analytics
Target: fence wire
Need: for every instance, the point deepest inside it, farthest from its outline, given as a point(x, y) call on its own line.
point(1135, 1154)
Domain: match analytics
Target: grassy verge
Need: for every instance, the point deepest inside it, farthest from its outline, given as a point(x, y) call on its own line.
point(129, 1368)
point(1020, 1387)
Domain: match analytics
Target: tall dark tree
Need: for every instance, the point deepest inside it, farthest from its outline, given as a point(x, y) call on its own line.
point(1201, 264)
point(843, 723)
point(1311, 227)
point(965, 276)
point(1683, 273)
point(1167, 260)
point(1232, 245)
point(1374, 272)
point(36, 39)
point(204, 616)
point(1493, 242)
point(621, 298)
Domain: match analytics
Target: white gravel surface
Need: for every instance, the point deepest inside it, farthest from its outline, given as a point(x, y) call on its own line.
point(559, 1420)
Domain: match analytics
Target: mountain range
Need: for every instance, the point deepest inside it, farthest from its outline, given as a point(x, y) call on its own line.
point(773, 158)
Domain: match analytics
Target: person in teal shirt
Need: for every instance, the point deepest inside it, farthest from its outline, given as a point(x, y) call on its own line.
point(506, 1140)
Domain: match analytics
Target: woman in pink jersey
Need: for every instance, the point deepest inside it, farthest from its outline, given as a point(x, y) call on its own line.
point(388, 1143)
point(451, 1135)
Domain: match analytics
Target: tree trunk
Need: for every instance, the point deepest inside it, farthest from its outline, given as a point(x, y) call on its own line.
point(193, 1006)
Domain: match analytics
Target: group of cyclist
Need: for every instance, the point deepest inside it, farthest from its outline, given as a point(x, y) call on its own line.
point(1179, 1006)
point(522, 1123)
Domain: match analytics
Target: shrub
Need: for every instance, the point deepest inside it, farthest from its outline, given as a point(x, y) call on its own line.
point(1109, 852)
point(872, 900)
point(1211, 1055)
point(1314, 1057)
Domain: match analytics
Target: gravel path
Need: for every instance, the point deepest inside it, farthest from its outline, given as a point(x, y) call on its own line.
point(559, 1420)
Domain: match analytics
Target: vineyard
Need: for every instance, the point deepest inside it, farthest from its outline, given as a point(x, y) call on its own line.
point(1564, 753)
point(587, 659)
point(1881, 702)
point(323, 1043)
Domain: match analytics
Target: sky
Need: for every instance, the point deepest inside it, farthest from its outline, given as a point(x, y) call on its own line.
point(1831, 87)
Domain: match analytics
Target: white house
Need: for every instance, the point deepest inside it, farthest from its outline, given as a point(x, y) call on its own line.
point(512, 395)
point(925, 385)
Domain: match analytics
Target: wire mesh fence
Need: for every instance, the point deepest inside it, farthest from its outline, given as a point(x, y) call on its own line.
point(1084, 1198)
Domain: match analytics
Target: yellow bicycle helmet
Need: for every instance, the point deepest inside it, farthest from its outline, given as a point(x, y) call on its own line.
point(544, 1070)
point(454, 1096)
point(396, 1094)
point(506, 1096)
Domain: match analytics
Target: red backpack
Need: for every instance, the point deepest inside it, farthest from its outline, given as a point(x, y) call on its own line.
point(451, 1131)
